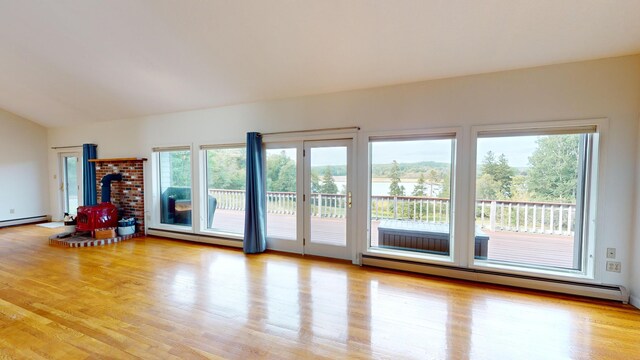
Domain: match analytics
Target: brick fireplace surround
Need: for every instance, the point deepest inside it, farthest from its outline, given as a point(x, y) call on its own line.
point(127, 195)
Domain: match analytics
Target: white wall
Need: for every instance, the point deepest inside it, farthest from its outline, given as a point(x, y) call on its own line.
point(634, 284)
point(23, 168)
point(604, 88)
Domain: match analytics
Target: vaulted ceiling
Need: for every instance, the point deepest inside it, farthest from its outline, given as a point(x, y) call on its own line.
point(69, 61)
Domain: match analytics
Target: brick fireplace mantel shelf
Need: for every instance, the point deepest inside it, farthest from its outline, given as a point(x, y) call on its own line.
point(117, 159)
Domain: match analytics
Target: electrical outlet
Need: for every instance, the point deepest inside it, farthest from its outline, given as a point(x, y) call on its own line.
point(614, 266)
point(611, 253)
point(12, 211)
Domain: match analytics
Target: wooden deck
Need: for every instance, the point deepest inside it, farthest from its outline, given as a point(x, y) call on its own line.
point(533, 249)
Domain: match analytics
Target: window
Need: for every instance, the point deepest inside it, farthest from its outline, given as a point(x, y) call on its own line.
point(174, 175)
point(532, 190)
point(226, 180)
point(410, 194)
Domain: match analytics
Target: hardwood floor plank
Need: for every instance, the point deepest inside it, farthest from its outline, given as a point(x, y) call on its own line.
point(156, 298)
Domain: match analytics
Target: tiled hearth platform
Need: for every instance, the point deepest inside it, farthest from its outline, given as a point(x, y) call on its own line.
point(87, 241)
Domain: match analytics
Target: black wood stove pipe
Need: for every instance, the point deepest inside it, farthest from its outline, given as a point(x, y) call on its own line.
point(106, 185)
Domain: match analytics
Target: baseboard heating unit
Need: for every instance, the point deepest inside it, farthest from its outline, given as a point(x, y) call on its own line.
point(23, 221)
point(608, 292)
point(207, 239)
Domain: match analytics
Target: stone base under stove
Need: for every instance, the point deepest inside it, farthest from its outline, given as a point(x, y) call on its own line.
point(86, 241)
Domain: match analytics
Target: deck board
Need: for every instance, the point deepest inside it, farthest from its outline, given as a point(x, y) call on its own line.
point(509, 246)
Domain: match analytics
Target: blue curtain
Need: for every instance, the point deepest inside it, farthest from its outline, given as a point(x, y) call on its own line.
point(255, 240)
point(89, 151)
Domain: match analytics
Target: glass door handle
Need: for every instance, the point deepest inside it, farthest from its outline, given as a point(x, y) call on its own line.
point(349, 200)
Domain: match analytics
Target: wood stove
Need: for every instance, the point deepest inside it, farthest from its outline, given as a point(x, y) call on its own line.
point(99, 216)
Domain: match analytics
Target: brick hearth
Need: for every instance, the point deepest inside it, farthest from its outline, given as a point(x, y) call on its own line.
point(86, 241)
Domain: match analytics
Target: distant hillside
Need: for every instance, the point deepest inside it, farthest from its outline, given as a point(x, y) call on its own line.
point(407, 170)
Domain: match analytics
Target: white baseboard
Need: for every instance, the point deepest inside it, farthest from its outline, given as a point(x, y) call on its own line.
point(24, 221)
point(635, 301)
point(609, 292)
point(195, 237)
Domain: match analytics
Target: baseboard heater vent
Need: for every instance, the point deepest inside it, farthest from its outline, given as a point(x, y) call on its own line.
point(208, 239)
point(23, 221)
point(609, 292)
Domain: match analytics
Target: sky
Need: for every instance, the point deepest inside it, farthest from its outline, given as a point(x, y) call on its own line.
point(517, 149)
point(384, 152)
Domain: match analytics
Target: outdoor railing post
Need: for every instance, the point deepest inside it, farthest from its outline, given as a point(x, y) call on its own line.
point(395, 207)
point(492, 216)
point(319, 205)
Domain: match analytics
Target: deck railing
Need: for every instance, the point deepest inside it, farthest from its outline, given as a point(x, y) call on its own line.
point(526, 216)
point(494, 215)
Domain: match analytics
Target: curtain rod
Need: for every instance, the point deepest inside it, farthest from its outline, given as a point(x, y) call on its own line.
point(65, 147)
point(312, 130)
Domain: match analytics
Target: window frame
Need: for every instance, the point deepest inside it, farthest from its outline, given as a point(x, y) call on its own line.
point(456, 251)
point(156, 222)
point(590, 201)
point(203, 167)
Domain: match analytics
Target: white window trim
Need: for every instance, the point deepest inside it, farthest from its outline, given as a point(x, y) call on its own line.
point(202, 169)
point(589, 273)
point(363, 213)
point(155, 192)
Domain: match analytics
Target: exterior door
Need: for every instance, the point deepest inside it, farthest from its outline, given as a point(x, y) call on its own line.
point(71, 182)
point(327, 198)
point(283, 177)
point(308, 197)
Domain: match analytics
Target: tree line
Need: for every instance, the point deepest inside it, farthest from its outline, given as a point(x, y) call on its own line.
point(552, 173)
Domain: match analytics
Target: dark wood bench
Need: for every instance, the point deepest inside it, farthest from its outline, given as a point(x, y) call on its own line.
point(430, 238)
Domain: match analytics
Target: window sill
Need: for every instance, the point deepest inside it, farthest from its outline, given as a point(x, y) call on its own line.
point(222, 234)
point(409, 255)
point(559, 274)
point(173, 228)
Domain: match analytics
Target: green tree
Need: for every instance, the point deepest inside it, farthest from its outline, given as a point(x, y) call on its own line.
point(446, 186)
point(328, 184)
point(519, 189)
point(281, 172)
point(553, 174)
point(500, 173)
point(180, 165)
point(226, 169)
point(419, 189)
point(433, 176)
point(315, 182)
point(487, 188)
point(395, 189)
point(286, 180)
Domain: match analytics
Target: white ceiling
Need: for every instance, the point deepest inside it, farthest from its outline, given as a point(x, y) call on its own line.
point(63, 62)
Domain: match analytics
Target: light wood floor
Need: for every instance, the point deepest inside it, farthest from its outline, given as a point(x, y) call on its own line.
point(156, 298)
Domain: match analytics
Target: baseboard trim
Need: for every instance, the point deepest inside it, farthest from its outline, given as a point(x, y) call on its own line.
point(207, 239)
point(24, 221)
point(601, 291)
point(635, 301)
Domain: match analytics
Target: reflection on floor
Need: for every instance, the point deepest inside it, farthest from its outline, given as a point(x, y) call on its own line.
point(159, 298)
